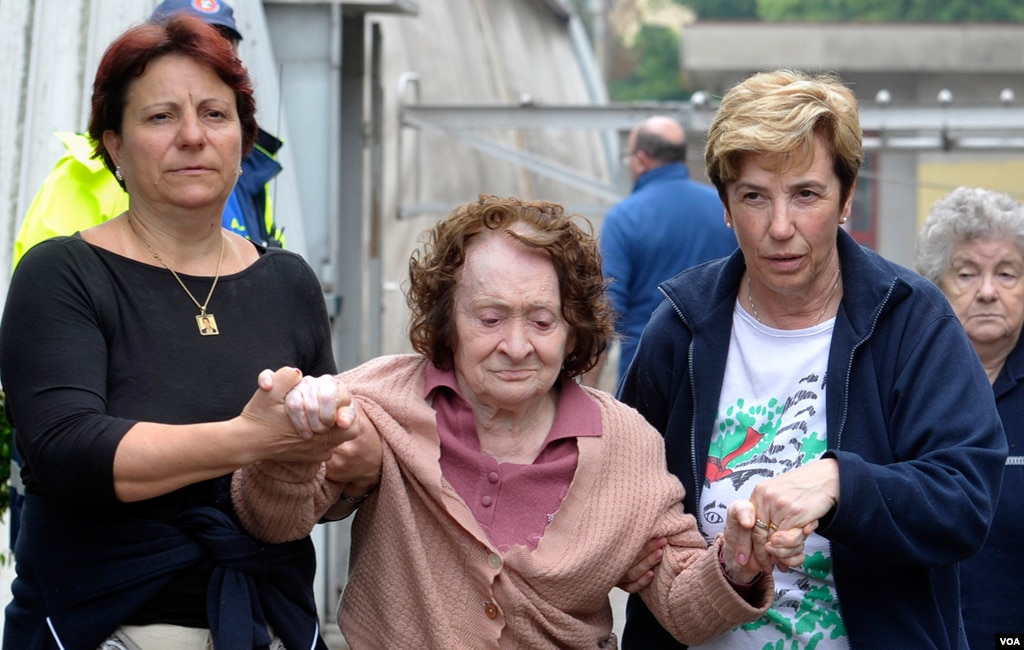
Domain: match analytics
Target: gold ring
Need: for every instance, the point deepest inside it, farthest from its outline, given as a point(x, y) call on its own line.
point(772, 526)
point(760, 524)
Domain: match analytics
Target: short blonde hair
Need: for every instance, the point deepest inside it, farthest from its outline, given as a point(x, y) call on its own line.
point(780, 112)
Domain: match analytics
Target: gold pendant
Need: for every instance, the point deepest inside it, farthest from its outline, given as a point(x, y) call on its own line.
point(207, 324)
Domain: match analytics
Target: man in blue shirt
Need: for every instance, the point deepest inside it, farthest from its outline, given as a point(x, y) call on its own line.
point(668, 223)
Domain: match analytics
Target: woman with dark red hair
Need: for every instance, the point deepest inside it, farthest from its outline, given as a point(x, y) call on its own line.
point(133, 358)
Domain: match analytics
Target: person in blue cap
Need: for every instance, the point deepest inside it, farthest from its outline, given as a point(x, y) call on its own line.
point(217, 13)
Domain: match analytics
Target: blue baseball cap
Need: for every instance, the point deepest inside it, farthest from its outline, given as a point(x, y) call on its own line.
point(216, 12)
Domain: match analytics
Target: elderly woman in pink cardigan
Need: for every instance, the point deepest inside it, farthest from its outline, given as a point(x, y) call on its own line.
point(512, 499)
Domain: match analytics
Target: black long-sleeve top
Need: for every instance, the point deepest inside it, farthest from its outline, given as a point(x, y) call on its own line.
point(91, 343)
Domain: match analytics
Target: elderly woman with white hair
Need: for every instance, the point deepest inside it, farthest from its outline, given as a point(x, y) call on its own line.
point(972, 247)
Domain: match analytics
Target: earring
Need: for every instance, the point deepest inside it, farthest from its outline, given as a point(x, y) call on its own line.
point(842, 219)
point(240, 171)
point(728, 224)
point(117, 173)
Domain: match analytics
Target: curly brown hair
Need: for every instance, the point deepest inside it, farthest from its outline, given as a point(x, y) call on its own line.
point(573, 249)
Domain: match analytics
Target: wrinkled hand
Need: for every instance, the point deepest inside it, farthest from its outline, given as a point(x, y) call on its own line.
point(744, 551)
point(641, 573)
point(786, 547)
point(277, 437)
point(800, 497)
point(320, 404)
point(750, 549)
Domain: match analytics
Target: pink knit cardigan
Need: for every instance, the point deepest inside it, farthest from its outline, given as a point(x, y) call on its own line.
point(422, 573)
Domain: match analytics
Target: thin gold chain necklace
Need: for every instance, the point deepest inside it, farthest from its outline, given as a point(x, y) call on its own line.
point(207, 323)
point(753, 307)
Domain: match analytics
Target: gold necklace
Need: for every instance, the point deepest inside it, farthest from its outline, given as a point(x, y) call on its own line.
point(207, 323)
point(753, 307)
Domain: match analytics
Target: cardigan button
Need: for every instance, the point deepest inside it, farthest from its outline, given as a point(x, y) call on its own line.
point(493, 477)
point(491, 610)
point(494, 561)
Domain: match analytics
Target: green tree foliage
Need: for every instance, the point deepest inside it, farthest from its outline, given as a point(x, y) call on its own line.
point(655, 71)
point(723, 9)
point(874, 11)
point(829, 10)
point(649, 70)
point(965, 11)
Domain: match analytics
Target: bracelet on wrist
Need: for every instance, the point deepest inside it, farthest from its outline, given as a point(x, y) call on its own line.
point(353, 500)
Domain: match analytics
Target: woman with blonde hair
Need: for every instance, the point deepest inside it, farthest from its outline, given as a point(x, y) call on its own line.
point(833, 389)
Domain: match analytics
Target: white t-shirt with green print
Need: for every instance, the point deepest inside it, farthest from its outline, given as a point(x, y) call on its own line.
point(771, 418)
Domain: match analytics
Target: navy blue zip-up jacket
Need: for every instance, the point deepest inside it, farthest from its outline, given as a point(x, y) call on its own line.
point(911, 422)
point(250, 196)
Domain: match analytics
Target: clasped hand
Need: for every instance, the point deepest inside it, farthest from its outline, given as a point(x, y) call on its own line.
point(781, 513)
point(748, 550)
point(751, 549)
point(321, 412)
point(274, 436)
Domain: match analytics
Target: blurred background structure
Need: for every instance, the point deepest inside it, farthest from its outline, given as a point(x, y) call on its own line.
point(394, 111)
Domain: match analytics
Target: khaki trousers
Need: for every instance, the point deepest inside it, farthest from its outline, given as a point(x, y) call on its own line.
point(165, 637)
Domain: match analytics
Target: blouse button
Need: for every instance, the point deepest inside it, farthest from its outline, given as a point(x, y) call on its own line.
point(493, 477)
point(494, 561)
point(487, 500)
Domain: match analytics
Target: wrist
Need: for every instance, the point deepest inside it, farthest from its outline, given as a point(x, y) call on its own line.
point(361, 487)
point(358, 491)
point(737, 577)
point(344, 498)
